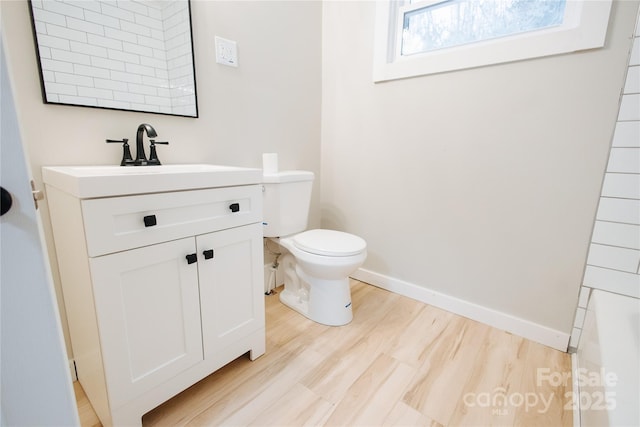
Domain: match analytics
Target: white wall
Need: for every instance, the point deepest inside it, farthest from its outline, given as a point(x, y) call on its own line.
point(270, 103)
point(613, 263)
point(478, 186)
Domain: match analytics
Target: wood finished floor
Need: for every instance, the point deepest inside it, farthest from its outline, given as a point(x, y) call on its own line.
point(399, 363)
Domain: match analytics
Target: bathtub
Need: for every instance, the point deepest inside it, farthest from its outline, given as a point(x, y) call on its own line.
point(606, 380)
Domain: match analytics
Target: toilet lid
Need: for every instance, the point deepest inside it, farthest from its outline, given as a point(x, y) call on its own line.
point(329, 243)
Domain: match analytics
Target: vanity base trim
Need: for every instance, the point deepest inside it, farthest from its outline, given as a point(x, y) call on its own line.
point(131, 413)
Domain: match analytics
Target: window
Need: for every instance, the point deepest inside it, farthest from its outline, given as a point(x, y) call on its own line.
point(417, 37)
point(453, 23)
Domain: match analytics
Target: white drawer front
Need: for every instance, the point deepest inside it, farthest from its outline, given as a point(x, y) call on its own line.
point(118, 223)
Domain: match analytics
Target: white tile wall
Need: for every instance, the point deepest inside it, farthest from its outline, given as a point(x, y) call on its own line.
point(127, 54)
point(633, 80)
point(622, 185)
point(616, 234)
point(627, 134)
point(611, 280)
point(624, 160)
point(635, 53)
point(623, 259)
point(619, 210)
point(613, 263)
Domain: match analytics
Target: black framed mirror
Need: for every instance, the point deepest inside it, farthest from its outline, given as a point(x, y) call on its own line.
point(134, 55)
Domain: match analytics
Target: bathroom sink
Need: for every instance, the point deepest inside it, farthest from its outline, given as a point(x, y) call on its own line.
point(103, 181)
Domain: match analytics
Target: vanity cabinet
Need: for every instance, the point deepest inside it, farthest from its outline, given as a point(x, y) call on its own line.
point(160, 290)
point(148, 309)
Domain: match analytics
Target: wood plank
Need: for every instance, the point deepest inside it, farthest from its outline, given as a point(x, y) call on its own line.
point(439, 385)
point(489, 396)
point(374, 394)
point(404, 415)
point(547, 373)
point(88, 417)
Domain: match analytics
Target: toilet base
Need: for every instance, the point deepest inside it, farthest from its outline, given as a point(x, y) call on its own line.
point(328, 301)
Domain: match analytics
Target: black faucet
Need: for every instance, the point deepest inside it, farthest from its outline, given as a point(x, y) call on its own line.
point(141, 158)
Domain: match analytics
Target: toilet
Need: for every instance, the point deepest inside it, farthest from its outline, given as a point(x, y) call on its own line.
point(317, 263)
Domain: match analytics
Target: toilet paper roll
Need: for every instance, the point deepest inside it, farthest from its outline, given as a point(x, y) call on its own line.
point(269, 163)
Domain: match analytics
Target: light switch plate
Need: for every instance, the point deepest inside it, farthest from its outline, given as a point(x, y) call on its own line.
point(226, 52)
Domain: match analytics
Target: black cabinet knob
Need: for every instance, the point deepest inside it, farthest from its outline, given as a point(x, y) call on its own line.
point(150, 221)
point(235, 207)
point(208, 254)
point(191, 258)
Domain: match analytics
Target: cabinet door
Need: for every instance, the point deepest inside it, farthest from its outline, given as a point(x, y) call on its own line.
point(231, 285)
point(148, 311)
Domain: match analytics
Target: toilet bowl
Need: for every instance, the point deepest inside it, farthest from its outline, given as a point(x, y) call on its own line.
point(318, 262)
point(316, 274)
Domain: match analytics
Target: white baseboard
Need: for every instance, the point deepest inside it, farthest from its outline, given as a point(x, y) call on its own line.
point(507, 322)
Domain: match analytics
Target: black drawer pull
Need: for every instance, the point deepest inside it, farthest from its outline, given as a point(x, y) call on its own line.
point(191, 258)
point(235, 207)
point(208, 254)
point(150, 221)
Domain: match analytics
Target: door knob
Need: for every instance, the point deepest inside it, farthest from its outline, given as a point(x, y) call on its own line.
point(5, 201)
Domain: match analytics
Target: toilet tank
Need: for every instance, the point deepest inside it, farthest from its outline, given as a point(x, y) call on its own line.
point(286, 200)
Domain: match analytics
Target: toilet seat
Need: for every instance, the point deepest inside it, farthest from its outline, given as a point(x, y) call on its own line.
point(329, 243)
